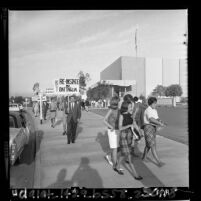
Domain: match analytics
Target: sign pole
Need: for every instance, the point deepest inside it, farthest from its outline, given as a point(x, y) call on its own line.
point(68, 104)
point(41, 115)
point(26, 103)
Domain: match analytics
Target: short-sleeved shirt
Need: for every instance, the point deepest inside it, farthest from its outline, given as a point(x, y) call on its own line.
point(53, 106)
point(148, 113)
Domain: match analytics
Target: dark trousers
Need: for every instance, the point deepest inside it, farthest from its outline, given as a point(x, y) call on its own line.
point(44, 114)
point(71, 130)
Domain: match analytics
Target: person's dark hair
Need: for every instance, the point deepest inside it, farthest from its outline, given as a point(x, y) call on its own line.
point(151, 100)
point(114, 102)
point(135, 99)
point(128, 97)
point(124, 106)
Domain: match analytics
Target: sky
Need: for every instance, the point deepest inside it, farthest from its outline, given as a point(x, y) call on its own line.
point(46, 45)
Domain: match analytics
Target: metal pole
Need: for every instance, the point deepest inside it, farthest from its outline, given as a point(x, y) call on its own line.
point(41, 116)
point(68, 104)
point(26, 103)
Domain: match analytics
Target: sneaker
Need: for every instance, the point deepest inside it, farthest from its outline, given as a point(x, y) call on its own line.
point(118, 171)
point(109, 160)
point(121, 169)
point(161, 164)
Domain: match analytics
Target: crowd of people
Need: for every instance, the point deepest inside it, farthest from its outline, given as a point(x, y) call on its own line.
point(71, 113)
point(127, 122)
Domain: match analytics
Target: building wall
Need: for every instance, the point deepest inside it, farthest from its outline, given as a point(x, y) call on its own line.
point(153, 74)
point(170, 73)
point(148, 73)
point(134, 69)
point(113, 71)
point(183, 77)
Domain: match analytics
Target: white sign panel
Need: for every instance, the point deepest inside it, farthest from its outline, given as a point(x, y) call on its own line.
point(64, 86)
point(37, 98)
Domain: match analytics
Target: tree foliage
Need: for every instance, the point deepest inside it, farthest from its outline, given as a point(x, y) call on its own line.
point(174, 90)
point(83, 79)
point(101, 91)
point(36, 88)
point(19, 99)
point(159, 91)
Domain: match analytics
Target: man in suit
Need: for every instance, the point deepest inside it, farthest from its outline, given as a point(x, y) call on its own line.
point(73, 118)
point(45, 108)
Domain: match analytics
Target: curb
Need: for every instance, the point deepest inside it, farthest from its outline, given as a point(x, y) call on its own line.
point(37, 175)
point(37, 166)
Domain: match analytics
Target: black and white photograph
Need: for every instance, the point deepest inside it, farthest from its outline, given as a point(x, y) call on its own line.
point(98, 98)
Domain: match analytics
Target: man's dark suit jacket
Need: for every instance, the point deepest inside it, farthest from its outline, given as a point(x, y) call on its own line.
point(75, 112)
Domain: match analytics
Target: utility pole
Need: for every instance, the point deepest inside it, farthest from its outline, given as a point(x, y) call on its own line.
point(41, 114)
point(136, 29)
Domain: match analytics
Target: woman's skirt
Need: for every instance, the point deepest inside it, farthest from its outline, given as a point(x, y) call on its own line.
point(52, 114)
point(113, 137)
point(125, 142)
point(150, 135)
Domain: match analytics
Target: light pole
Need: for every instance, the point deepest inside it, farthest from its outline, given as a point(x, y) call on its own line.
point(26, 102)
point(41, 115)
point(136, 29)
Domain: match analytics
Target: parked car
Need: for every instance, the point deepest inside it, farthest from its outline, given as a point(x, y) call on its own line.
point(15, 107)
point(19, 134)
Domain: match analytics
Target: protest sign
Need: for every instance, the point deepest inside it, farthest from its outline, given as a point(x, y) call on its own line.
point(64, 86)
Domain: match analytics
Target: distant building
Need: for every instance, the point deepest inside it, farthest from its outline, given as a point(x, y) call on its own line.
point(148, 73)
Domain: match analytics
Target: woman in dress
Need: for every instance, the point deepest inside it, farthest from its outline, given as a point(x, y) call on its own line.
point(125, 140)
point(111, 121)
point(151, 122)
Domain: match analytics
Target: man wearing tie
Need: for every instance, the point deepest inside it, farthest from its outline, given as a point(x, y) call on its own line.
point(73, 117)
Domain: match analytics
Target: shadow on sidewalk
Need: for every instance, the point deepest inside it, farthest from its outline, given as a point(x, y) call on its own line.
point(84, 176)
point(149, 179)
point(103, 140)
point(61, 182)
point(78, 131)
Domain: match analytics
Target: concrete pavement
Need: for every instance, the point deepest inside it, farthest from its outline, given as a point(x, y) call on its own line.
point(62, 165)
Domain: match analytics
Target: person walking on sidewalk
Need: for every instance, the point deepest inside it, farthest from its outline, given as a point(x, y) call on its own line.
point(45, 108)
point(151, 121)
point(73, 118)
point(53, 110)
point(129, 98)
point(125, 140)
point(111, 121)
point(64, 113)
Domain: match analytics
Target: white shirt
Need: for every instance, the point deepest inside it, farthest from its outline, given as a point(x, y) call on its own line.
point(148, 113)
point(72, 105)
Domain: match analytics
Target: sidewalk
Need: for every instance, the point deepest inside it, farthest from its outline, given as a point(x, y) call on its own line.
point(62, 165)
